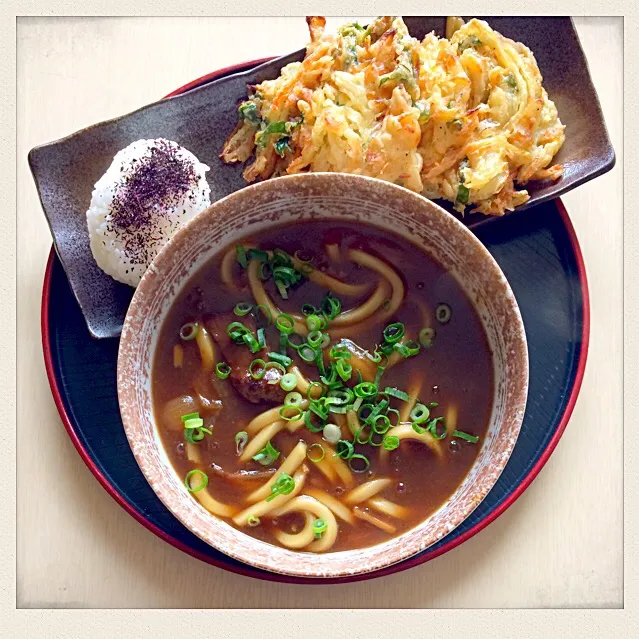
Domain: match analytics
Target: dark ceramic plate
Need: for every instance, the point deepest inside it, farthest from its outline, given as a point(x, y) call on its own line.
point(201, 119)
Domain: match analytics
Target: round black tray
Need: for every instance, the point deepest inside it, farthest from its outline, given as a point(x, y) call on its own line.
point(539, 254)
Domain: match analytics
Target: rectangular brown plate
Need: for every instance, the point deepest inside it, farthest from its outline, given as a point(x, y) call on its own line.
point(201, 119)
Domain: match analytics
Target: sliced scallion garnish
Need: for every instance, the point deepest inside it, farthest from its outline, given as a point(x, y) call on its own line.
point(319, 527)
point(203, 477)
point(222, 370)
point(189, 331)
point(473, 439)
point(283, 485)
point(267, 455)
point(319, 453)
point(288, 381)
point(242, 308)
point(241, 439)
point(443, 313)
point(359, 463)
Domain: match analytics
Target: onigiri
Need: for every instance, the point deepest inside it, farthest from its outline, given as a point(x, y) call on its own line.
point(151, 189)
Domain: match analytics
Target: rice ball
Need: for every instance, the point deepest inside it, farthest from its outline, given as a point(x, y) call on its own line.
point(151, 189)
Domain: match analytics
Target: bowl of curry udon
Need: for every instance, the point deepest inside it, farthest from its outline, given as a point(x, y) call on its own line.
point(322, 375)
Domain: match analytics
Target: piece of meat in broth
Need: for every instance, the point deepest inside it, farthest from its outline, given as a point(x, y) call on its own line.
point(239, 358)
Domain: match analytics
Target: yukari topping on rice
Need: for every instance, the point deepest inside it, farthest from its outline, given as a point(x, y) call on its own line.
point(151, 190)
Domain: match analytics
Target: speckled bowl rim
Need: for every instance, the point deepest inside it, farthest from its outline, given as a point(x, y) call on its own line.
point(134, 391)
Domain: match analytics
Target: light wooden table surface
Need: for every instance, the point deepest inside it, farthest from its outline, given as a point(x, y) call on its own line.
point(559, 545)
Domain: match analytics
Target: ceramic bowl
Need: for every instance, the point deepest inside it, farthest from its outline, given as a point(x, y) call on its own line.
point(343, 198)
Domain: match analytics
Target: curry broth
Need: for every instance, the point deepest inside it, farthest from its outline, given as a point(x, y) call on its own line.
point(457, 369)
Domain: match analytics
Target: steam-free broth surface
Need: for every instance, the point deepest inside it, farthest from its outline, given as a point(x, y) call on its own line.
point(327, 504)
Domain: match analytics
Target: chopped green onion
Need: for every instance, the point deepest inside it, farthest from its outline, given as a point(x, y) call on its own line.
point(242, 308)
point(264, 271)
point(293, 399)
point(319, 527)
point(378, 375)
point(398, 394)
point(288, 381)
point(258, 254)
point(308, 421)
point(280, 256)
point(355, 461)
point(290, 412)
point(473, 439)
point(195, 435)
point(257, 368)
point(251, 342)
point(344, 369)
point(282, 359)
point(358, 437)
point(194, 422)
point(236, 330)
point(320, 454)
point(204, 480)
point(419, 414)
point(241, 256)
point(314, 322)
point(185, 418)
point(331, 306)
point(377, 410)
point(432, 427)
point(241, 439)
point(463, 193)
point(285, 323)
point(380, 424)
point(306, 353)
point(284, 485)
point(315, 339)
point(299, 340)
point(222, 370)
point(395, 412)
point(318, 406)
point(418, 429)
point(376, 439)
point(276, 366)
point(267, 455)
point(284, 344)
point(189, 331)
point(311, 386)
point(261, 340)
point(394, 332)
point(407, 349)
point(391, 442)
point(412, 347)
point(326, 340)
point(253, 521)
point(426, 336)
point(266, 311)
point(344, 449)
point(309, 309)
point(342, 396)
point(339, 352)
point(365, 389)
point(281, 287)
point(443, 313)
point(376, 357)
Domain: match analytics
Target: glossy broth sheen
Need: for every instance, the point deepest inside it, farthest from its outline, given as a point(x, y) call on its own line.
point(456, 372)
